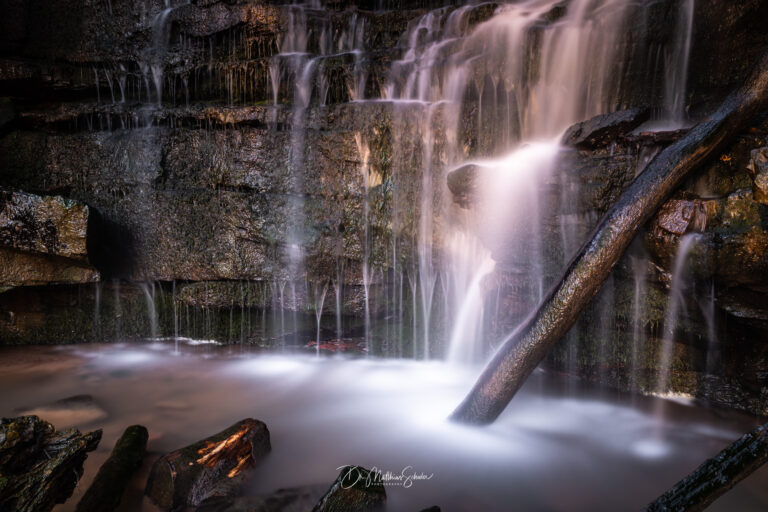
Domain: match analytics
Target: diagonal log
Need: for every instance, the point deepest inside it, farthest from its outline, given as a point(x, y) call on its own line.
point(527, 346)
point(717, 475)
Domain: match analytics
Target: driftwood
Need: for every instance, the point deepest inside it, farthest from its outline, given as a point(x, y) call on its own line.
point(108, 486)
point(39, 465)
point(717, 475)
point(529, 344)
point(216, 466)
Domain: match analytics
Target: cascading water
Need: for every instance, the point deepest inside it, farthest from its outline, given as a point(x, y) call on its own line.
point(480, 85)
point(365, 154)
point(293, 49)
point(639, 272)
point(319, 301)
point(301, 58)
point(531, 71)
point(675, 305)
point(713, 344)
point(676, 79)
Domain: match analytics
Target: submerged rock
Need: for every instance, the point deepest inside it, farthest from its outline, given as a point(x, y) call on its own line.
point(69, 412)
point(602, 130)
point(216, 466)
point(39, 465)
point(355, 490)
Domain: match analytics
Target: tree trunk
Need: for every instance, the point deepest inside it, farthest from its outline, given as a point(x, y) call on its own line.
point(108, 486)
point(717, 475)
point(524, 349)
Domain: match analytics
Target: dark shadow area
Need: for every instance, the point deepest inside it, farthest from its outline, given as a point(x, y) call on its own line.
point(111, 247)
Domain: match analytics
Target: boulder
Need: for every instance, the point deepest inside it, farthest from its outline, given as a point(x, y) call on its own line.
point(679, 216)
point(602, 130)
point(464, 184)
point(39, 465)
point(356, 489)
point(216, 466)
point(69, 412)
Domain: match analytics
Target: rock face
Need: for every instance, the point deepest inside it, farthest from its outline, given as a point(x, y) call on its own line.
point(43, 240)
point(47, 225)
point(216, 466)
point(40, 466)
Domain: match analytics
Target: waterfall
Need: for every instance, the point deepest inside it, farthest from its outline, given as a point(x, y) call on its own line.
point(156, 52)
point(319, 296)
point(676, 74)
point(365, 154)
point(97, 286)
point(118, 309)
point(675, 305)
point(533, 72)
point(338, 289)
point(639, 272)
point(308, 42)
point(481, 85)
point(713, 344)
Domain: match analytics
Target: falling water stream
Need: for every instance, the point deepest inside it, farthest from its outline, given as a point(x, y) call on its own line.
point(675, 307)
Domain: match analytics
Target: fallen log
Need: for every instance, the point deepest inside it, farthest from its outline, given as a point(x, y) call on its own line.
point(107, 488)
point(527, 346)
point(717, 475)
point(39, 465)
point(216, 466)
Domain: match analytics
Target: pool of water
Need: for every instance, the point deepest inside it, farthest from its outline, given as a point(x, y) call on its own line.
point(560, 445)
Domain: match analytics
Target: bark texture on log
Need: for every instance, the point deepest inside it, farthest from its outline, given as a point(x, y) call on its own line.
point(525, 348)
point(39, 465)
point(216, 466)
point(108, 486)
point(717, 475)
